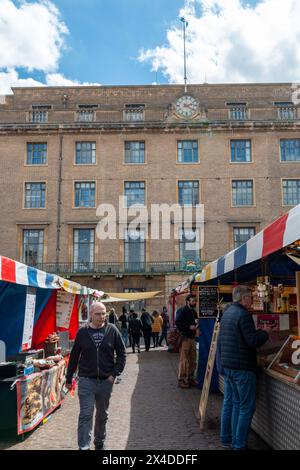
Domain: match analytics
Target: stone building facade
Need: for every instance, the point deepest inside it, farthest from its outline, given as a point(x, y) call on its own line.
point(66, 150)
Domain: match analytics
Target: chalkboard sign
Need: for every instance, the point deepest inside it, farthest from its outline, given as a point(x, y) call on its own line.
point(208, 301)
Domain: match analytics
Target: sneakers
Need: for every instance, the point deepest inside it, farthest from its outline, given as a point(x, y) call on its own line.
point(182, 384)
point(99, 447)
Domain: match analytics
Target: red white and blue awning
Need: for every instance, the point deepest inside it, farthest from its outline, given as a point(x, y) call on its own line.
point(279, 234)
point(19, 273)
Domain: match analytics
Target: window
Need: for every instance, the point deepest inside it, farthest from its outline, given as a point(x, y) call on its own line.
point(291, 192)
point(85, 153)
point(135, 193)
point(241, 151)
point(35, 195)
point(84, 241)
point(134, 152)
point(242, 193)
point(189, 247)
point(36, 154)
point(290, 150)
point(286, 110)
point(187, 151)
point(33, 247)
point(134, 112)
point(39, 114)
point(237, 111)
point(242, 234)
point(85, 194)
point(134, 251)
point(86, 112)
point(188, 193)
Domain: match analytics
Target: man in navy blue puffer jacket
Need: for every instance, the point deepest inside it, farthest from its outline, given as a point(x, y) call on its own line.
point(238, 342)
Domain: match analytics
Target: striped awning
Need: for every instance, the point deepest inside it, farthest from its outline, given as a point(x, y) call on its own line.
point(279, 234)
point(18, 273)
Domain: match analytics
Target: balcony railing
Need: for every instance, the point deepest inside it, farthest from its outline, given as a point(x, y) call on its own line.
point(161, 267)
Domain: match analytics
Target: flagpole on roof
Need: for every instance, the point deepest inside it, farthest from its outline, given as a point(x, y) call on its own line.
point(184, 25)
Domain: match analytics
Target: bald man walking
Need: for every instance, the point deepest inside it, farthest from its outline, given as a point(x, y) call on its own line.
point(99, 353)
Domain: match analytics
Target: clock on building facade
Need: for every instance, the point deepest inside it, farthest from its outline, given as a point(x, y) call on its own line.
point(186, 106)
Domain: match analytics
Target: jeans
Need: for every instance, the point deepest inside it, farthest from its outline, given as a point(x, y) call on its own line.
point(226, 415)
point(93, 392)
point(155, 337)
point(163, 336)
point(242, 386)
point(124, 333)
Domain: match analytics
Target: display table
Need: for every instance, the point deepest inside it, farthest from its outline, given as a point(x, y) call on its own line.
point(277, 415)
point(26, 401)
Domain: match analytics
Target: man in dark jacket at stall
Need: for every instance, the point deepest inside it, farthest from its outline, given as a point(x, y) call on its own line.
point(186, 322)
point(94, 353)
point(238, 342)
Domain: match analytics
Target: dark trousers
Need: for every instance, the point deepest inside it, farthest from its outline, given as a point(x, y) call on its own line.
point(135, 342)
point(147, 338)
point(155, 337)
point(163, 336)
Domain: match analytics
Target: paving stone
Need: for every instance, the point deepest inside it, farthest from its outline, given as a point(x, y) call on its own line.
point(147, 411)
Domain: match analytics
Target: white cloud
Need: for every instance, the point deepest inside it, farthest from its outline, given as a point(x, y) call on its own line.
point(231, 41)
point(32, 36)
point(11, 78)
point(57, 79)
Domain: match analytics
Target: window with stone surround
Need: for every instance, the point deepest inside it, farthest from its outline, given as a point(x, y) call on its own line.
point(286, 110)
point(135, 152)
point(242, 234)
point(238, 111)
point(36, 153)
point(188, 193)
point(242, 193)
point(35, 195)
point(241, 151)
point(187, 151)
point(134, 112)
point(33, 247)
point(290, 150)
point(291, 192)
point(85, 192)
point(85, 153)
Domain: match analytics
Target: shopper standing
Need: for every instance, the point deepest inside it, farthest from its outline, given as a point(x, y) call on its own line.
point(165, 327)
point(238, 342)
point(156, 327)
point(147, 321)
point(136, 331)
point(124, 321)
point(186, 322)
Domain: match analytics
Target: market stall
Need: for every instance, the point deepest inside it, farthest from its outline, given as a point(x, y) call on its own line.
point(270, 264)
point(38, 318)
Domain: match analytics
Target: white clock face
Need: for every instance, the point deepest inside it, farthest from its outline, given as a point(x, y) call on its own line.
point(186, 106)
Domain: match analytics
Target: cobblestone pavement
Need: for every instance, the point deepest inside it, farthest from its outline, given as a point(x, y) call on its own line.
point(147, 412)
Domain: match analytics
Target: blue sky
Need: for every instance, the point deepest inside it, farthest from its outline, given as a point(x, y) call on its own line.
point(131, 42)
point(106, 36)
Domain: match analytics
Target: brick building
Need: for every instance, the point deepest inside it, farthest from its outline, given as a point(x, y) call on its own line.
point(65, 150)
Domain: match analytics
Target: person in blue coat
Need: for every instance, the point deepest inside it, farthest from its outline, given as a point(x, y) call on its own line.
point(238, 341)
